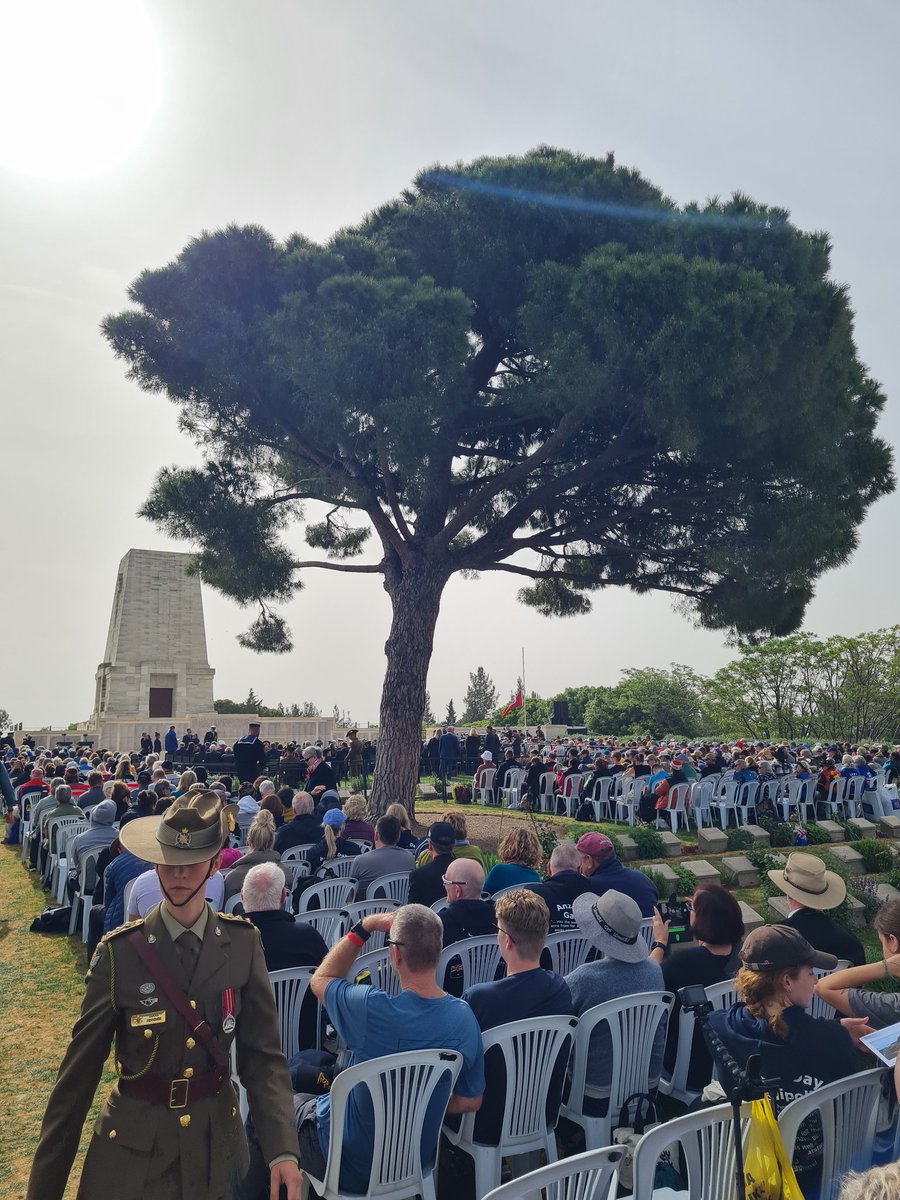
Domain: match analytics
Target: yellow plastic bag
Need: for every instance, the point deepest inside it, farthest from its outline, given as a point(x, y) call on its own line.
point(768, 1174)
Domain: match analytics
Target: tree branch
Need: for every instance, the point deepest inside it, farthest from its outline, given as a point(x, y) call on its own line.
point(350, 568)
point(389, 489)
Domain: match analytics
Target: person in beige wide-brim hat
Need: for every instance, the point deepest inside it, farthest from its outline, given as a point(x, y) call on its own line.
point(193, 829)
point(805, 879)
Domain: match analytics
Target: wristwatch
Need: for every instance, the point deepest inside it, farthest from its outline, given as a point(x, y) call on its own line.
point(358, 930)
point(658, 946)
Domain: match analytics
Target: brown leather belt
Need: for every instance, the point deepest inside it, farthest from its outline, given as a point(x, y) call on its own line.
point(173, 1093)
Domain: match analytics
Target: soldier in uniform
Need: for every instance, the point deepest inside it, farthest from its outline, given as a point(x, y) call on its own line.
point(174, 991)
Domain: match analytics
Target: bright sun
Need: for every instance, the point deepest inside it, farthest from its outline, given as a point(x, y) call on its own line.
point(80, 81)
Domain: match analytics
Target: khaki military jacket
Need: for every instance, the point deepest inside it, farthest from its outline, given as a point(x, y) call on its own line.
point(204, 1140)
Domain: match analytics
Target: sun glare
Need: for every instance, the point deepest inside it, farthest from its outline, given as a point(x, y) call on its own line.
point(80, 81)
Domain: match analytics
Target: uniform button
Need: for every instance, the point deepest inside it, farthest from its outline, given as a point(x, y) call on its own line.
point(112, 1135)
point(193, 1004)
point(185, 1120)
point(190, 1043)
point(148, 1033)
point(234, 1112)
point(188, 1072)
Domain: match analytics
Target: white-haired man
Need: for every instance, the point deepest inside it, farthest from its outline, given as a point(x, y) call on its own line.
point(304, 830)
point(286, 941)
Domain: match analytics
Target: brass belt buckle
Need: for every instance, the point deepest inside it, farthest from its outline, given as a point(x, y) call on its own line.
point(177, 1097)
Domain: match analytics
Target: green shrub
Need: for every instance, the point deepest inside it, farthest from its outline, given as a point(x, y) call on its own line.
point(648, 842)
point(764, 860)
point(489, 859)
point(547, 834)
point(876, 855)
point(864, 891)
point(739, 839)
point(780, 833)
point(843, 913)
point(728, 877)
point(815, 834)
point(659, 882)
point(685, 880)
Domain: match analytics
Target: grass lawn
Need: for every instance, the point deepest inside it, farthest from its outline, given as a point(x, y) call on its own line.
point(41, 984)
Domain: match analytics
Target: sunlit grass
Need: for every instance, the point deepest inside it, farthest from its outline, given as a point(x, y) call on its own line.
point(41, 985)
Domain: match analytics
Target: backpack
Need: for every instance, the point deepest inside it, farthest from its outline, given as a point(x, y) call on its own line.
point(52, 920)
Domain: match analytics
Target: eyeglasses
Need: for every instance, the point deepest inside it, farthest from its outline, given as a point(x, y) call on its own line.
point(391, 942)
point(453, 882)
point(506, 933)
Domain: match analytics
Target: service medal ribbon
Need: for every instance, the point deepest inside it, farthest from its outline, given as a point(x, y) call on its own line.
point(228, 1010)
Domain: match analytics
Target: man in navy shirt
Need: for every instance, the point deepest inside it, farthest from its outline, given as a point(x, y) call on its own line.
point(604, 872)
point(564, 882)
point(448, 752)
point(527, 993)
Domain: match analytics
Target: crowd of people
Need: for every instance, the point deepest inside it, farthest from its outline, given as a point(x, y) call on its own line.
point(193, 841)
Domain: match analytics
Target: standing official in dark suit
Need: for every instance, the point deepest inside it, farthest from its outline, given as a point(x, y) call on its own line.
point(811, 891)
point(173, 992)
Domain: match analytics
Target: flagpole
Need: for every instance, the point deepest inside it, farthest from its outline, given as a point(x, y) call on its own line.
point(524, 694)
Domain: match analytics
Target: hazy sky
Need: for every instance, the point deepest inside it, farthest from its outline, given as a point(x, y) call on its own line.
point(127, 129)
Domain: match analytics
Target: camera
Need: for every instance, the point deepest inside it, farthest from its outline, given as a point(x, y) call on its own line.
point(677, 914)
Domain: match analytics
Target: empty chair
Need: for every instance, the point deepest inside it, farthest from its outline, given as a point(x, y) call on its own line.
point(706, 1143)
point(480, 957)
point(374, 968)
point(330, 923)
point(721, 996)
point(632, 1023)
point(329, 893)
point(847, 1109)
point(725, 798)
point(514, 787)
point(401, 1089)
point(589, 1176)
point(796, 794)
point(364, 908)
point(484, 793)
point(291, 988)
point(534, 1057)
point(566, 951)
point(391, 887)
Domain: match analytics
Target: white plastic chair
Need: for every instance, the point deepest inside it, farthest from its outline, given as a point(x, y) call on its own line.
point(480, 957)
point(848, 1109)
point(853, 795)
point(567, 951)
point(391, 887)
point(745, 802)
point(834, 800)
point(56, 827)
point(706, 1143)
point(330, 893)
point(440, 905)
point(798, 794)
point(512, 791)
point(600, 798)
point(364, 845)
point(231, 903)
point(570, 794)
point(376, 964)
point(513, 887)
point(676, 806)
point(65, 834)
point(296, 861)
point(531, 1053)
point(628, 795)
point(632, 1022)
point(725, 798)
point(331, 923)
point(83, 900)
point(290, 988)
point(589, 1176)
point(819, 1007)
point(339, 865)
point(365, 908)
point(401, 1088)
point(701, 797)
point(126, 896)
point(484, 793)
point(647, 930)
point(721, 996)
point(546, 795)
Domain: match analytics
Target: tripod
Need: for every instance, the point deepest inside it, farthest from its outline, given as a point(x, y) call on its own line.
point(741, 1084)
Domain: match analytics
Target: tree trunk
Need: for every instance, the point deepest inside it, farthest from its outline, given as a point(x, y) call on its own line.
point(415, 589)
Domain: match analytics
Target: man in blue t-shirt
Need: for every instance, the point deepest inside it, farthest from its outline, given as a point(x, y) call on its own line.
point(527, 993)
point(373, 1024)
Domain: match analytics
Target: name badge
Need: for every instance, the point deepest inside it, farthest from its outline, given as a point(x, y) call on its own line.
point(139, 1019)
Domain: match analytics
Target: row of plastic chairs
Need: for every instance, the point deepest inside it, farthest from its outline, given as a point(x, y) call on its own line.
point(703, 1141)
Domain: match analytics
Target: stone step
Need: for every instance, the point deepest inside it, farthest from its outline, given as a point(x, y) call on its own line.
point(835, 832)
point(744, 870)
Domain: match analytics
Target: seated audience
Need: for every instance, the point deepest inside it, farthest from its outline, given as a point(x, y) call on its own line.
point(484, 767)
point(304, 830)
point(147, 893)
point(603, 871)
point(407, 839)
point(811, 891)
point(562, 884)
point(776, 984)
point(426, 883)
point(845, 990)
point(358, 826)
point(520, 856)
point(611, 922)
point(467, 915)
point(142, 805)
point(718, 929)
point(260, 849)
point(286, 941)
point(385, 859)
point(100, 834)
point(334, 841)
point(94, 793)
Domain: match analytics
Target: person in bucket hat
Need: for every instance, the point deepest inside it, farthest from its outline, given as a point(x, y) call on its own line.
point(612, 923)
point(811, 891)
point(174, 991)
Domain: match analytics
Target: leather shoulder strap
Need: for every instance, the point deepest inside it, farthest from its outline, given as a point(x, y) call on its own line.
point(160, 972)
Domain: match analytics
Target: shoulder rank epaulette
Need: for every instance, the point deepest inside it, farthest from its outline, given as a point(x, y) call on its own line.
point(235, 917)
point(122, 929)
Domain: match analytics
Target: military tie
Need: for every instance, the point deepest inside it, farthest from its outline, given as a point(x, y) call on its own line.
point(188, 947)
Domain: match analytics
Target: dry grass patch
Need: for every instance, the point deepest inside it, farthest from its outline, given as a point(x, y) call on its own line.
point(41, 982)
